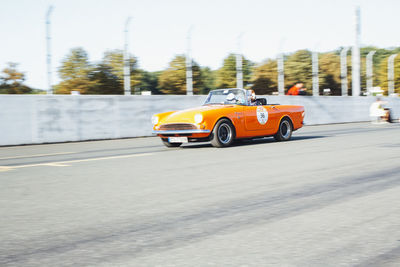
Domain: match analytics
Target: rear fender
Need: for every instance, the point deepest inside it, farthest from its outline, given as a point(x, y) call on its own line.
point(285, 116)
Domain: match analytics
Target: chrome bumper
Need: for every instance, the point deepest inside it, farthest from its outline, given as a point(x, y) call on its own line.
point(181, 132)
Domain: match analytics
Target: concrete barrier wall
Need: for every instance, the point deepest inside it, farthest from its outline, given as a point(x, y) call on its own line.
point(33, 119)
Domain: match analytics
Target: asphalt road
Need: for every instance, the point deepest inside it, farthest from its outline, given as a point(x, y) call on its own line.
point(329, 197)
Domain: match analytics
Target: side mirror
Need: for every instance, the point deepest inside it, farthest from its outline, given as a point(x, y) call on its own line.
point(230, 97)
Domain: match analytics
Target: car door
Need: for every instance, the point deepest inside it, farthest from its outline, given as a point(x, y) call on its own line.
point(261, 120)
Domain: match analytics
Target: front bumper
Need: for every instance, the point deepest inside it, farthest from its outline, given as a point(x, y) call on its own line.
point(181, 132)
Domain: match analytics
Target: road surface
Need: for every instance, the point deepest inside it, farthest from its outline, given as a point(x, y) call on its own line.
point(329, 197)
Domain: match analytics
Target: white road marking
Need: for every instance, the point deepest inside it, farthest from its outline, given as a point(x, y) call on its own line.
point(67, 162)
point(57, 164)
point(39, 155)
point(5, 168)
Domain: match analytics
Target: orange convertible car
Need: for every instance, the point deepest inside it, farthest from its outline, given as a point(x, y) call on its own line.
point(227, 115)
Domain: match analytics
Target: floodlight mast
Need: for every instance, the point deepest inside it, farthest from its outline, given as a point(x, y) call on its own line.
point(369, 70)
point(48, 48)
point(343, 70)
point(356, 55)
point(281, 68)
point(127, 71)
point(239, 63)
point(189, 72)
point(315, 88)
point(281, 74)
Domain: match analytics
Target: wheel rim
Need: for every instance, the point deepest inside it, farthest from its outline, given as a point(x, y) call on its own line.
point(224, 133)
point(285, 129)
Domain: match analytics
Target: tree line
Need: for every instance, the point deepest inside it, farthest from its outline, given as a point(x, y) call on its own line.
point(77, 73)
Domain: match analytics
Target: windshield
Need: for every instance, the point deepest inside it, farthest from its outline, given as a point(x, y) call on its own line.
point(226, 96)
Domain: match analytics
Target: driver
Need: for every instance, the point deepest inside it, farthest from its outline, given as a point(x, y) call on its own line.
point(252, 97)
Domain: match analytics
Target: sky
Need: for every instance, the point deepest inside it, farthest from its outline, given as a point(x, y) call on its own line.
point(158, 30)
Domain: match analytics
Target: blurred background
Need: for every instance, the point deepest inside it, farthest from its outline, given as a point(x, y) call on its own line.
point(84, 42)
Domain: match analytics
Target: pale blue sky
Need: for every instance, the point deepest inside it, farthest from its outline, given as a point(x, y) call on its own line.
point(158, 29)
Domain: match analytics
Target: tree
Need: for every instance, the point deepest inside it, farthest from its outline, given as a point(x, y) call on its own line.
point(107, 77)
point(74, 73)
point(380, 61)
point(329, 73)
point(104, 81)
point(226, 75)
point(383, 74)
point(208, 78)
point(12, 81)
point(149, 81)
point(298, 68)
point(265, 78)
point(114, 59)
point(173, 79)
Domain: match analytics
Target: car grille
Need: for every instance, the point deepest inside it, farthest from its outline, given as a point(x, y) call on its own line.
point(177, 126)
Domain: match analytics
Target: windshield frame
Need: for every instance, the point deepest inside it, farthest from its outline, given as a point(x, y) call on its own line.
point(229, 89)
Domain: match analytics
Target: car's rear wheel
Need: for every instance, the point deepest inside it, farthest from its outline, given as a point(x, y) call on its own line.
point(168, 144)
point(223, 134)
point(285, 131)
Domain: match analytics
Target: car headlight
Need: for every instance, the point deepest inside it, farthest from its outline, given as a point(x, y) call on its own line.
point(198, 118)
point(154, 119)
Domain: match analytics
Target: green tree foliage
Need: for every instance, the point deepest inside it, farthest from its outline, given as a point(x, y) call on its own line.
point(114, 59)
point(11, 81)
point(106, 76)
point(298, 68)
point(173, 79)
point(380, 63)
point(397, 74)
point(329, 73)
point(226, 75)
point(382, 74)
point(74, 73)
point(265, 78)
point(380, 71)
point(208, 77)
point(149, 82)
point(104, 81)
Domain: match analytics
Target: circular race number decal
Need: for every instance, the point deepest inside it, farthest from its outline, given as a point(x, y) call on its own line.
point(262, 115)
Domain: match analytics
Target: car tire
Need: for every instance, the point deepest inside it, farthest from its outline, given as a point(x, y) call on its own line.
point(168, 144)
point(223, 134)
point(285, 130)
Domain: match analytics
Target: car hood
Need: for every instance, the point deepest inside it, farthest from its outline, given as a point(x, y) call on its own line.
point(187, 115)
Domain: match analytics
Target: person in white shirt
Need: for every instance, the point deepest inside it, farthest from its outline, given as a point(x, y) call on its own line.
point(377, 112)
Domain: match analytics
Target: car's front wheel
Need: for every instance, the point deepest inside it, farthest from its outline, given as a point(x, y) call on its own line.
point(285, 130)
point(223, 134)
point(168, 144)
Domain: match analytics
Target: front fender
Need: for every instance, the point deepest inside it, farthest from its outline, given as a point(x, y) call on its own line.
point(163, 115)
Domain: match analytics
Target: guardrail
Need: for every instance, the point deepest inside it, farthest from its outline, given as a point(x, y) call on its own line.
point(34, 119)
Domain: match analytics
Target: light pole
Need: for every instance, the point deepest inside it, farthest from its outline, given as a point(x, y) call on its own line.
point(281, 74)
point(189, 73)
point(48, 48)
point(369, 70)
point(127, 71)
point(281, 69)
point(391, 74)
point(239, 64)
point(315, 88)
point(356, 55)
point(343, 70)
